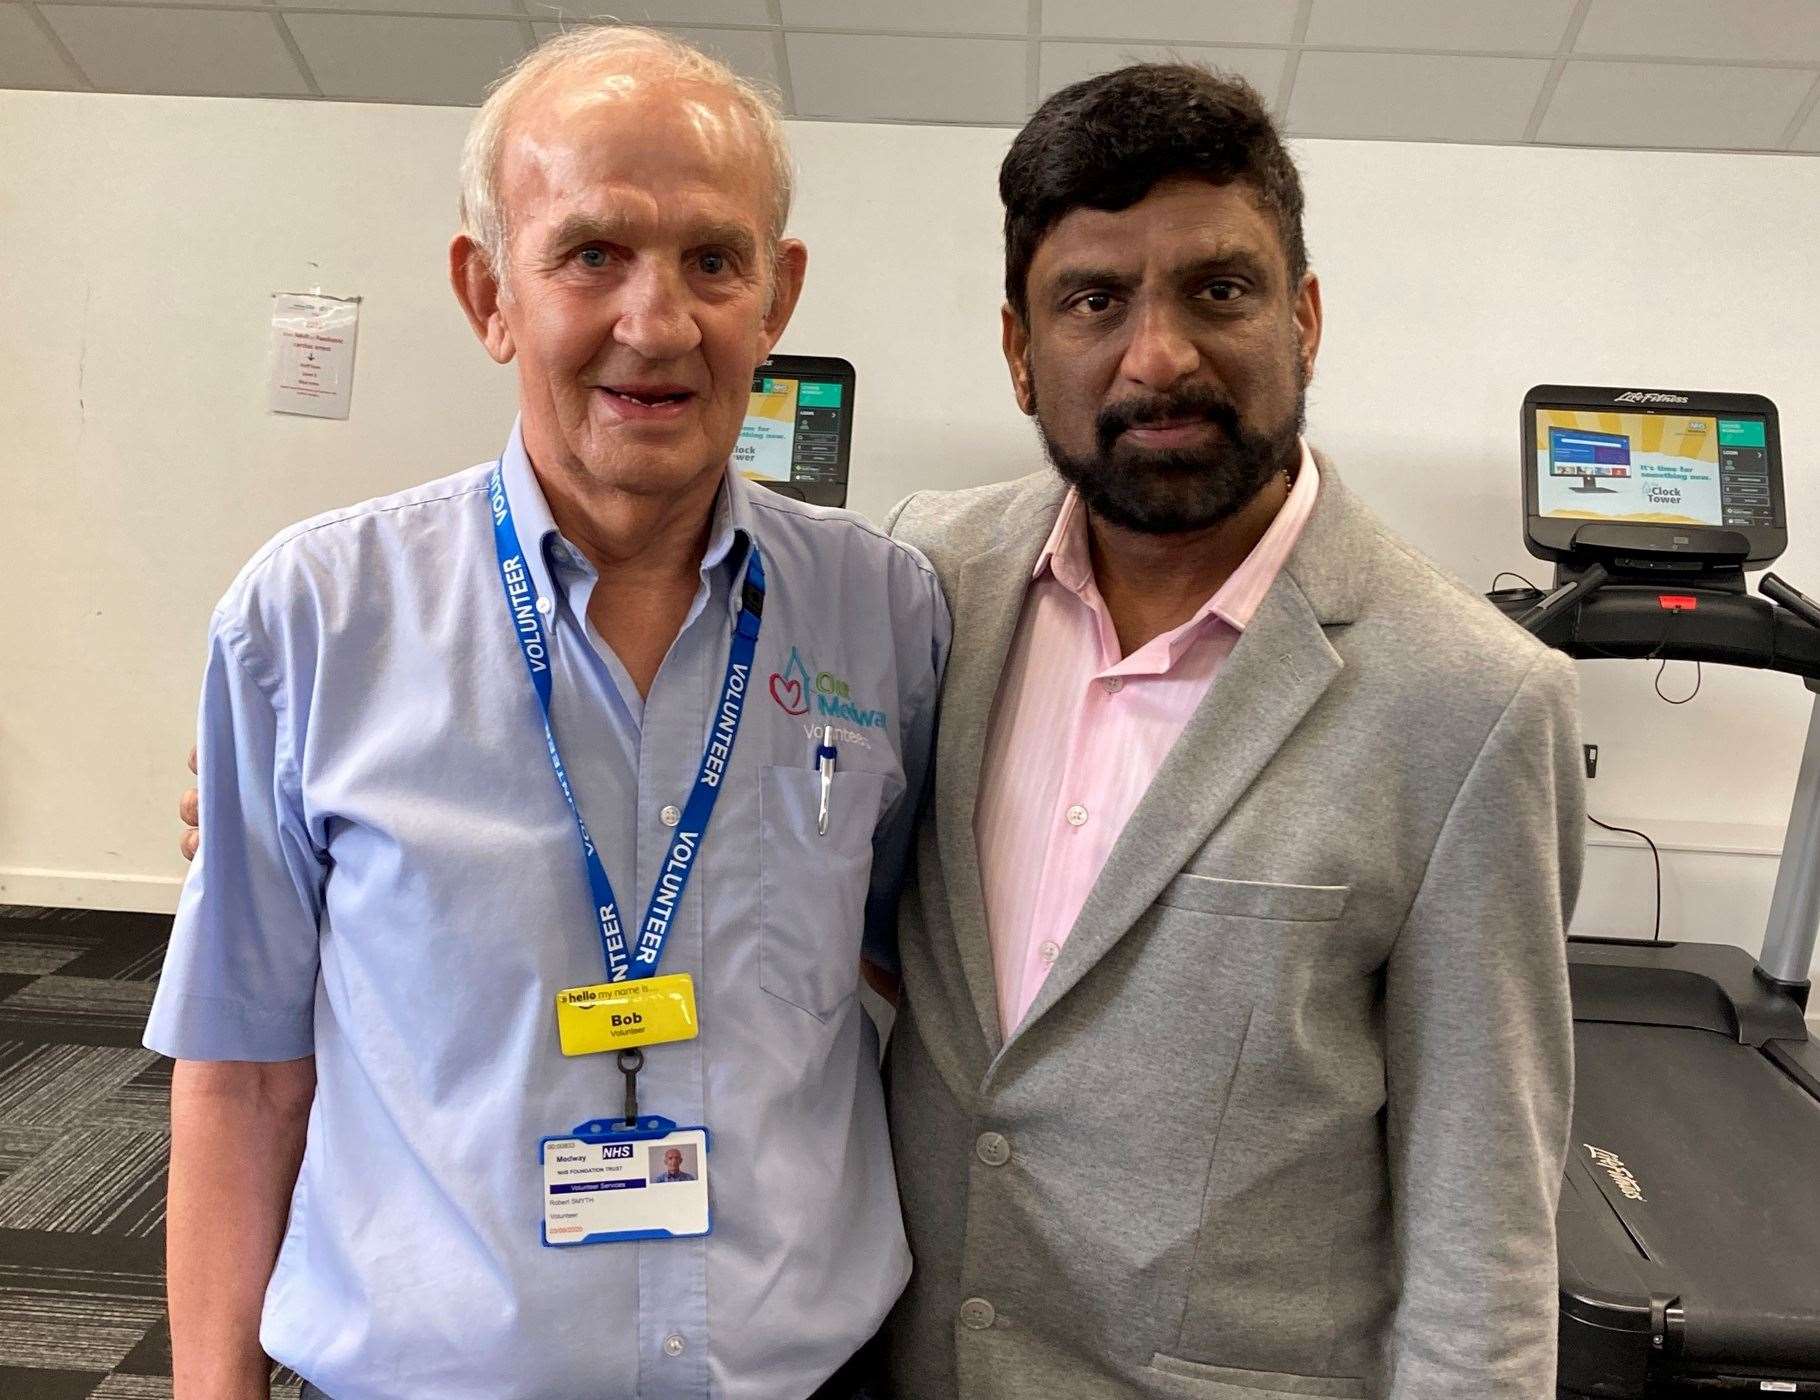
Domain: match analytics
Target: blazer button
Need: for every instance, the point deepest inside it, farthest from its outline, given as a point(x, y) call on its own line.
point(992, 1149)
point(977, 1314)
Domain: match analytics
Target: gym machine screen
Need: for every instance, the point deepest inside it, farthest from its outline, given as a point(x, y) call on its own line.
point(1659, 463)
point(799, 428)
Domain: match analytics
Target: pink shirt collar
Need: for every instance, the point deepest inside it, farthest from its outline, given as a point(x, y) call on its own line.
point(1235, 602)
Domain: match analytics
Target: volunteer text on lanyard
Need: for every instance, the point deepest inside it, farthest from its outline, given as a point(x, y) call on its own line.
point(633, 1007)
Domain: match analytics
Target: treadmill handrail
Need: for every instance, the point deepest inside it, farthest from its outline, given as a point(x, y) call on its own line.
point(1794, 906)
point(1670, 621)
point(1681, 621)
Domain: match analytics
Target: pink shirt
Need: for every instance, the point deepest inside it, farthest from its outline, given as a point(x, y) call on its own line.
point(1079, 732)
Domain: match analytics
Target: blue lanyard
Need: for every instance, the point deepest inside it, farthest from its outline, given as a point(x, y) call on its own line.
point(625, 963)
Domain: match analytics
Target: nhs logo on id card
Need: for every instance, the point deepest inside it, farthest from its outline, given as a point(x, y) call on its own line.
point(616, 1151)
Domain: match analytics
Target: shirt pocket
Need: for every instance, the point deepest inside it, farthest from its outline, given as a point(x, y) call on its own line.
point(1253, 899)
point(812, 886)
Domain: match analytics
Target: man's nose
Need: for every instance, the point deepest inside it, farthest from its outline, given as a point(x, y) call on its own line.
point(656, 313)
point(1161, 351)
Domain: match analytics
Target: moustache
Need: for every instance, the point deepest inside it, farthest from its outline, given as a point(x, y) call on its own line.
point(1196, 402)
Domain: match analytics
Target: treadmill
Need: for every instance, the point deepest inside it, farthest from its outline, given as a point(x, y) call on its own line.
point(1689, 1221)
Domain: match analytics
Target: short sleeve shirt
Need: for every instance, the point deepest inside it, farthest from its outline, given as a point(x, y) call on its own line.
point(390, 881)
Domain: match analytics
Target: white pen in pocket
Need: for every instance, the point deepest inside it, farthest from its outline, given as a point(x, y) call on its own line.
point(825, 754)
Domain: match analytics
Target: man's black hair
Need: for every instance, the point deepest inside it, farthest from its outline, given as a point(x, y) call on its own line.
point(1106, 142)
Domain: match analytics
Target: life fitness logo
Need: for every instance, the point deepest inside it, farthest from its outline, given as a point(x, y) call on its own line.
point(1621, 1176)
point(795, 691)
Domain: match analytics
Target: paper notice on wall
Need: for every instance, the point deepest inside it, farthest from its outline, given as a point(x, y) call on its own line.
point(313, 354)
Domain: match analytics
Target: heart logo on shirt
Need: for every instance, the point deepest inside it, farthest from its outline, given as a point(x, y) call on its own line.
point(788, 694)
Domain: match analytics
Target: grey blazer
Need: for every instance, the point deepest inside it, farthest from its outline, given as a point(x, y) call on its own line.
point(1289, 1115)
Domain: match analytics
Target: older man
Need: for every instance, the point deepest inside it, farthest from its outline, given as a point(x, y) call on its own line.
point(1235, 1059)
point(478, 757)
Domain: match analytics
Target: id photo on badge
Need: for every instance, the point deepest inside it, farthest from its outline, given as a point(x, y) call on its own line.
point(675, 1162)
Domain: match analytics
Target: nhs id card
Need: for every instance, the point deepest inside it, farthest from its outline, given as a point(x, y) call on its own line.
point(643, 1183)
point(625, 1015)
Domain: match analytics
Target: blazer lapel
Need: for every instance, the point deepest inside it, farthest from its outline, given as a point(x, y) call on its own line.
point(1280, 667)
point(987, 601)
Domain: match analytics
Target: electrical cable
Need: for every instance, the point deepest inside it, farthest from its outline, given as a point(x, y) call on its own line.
point(1511, 573)
point(1656, 936)
point(1685, 698)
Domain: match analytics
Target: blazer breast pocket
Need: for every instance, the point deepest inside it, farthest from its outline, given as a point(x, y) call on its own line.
point(1254, 899)
point(1195, 1380)
point(812, 885)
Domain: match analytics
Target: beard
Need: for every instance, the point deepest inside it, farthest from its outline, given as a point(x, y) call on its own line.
point(1173, 491)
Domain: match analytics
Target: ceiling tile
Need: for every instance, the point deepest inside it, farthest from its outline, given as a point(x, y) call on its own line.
point(1709, 29)
point(1465, 26)
point(863, 77)
point(225, 52)
point(399, 59)
point(1808, 138)
point(751, 53)
point(447, 7)
point(644, 11)
point(1673, 104)
point(28, 59)
point(1063, 64)
point(925, 17)
point(1183, 21)
point(1414, 97)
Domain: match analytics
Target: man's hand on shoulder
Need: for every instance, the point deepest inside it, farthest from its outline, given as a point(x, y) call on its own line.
point(887, 984)
point(190, 813)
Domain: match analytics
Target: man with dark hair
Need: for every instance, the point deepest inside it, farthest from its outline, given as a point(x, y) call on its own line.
point(1252, 845)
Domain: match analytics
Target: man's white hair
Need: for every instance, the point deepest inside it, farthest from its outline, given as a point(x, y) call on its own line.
point(596, 49)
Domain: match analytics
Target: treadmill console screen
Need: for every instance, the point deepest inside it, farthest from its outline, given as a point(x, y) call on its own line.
point(799, 427)
point(1657, 461)
point(1659, 468)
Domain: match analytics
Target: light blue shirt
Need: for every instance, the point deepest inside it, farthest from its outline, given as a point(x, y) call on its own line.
point(389, 880)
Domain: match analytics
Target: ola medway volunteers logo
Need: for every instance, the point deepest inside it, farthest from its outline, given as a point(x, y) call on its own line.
point(790, 687)
point(795, 690)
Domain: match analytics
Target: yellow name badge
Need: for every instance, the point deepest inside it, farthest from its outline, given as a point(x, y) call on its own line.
point(621, 1015)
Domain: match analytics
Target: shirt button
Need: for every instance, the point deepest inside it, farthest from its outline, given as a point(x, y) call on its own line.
point(993, 1150)
point(543, 606)
point(1049, 950)
point(1113, 684)
point(669, 816)
point(1077, 815)
point(977, 1314)
point(674, 1345)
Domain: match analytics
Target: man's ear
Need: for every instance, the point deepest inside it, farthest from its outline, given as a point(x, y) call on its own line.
point(1015, 337)
point(788, 270)
point(1308, 323)
point(477, 289)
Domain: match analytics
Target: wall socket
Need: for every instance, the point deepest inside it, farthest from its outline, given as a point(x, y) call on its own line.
point(1592, 760)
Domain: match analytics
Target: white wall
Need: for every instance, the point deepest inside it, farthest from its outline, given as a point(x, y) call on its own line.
point(143, 236)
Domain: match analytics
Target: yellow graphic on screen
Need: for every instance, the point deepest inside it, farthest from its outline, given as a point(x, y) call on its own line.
point(1646, 468)
point(767, 441)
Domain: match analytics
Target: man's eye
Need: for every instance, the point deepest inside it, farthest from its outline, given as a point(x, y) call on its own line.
point(1094, 303)
point(592, 257)
point(1225, 291)
point(714, 264)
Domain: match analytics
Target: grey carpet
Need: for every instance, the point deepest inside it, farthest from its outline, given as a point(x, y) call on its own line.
point(84, 1144)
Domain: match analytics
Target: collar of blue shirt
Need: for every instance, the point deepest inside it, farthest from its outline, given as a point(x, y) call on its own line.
point(735, 521)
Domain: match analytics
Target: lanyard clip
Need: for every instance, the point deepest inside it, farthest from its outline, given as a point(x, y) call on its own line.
point(630, 1063)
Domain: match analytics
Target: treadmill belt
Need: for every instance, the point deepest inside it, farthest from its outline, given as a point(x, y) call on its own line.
point(1710, 1157)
